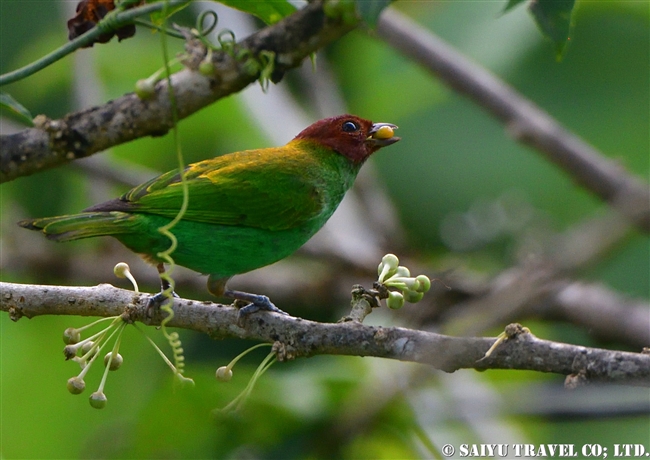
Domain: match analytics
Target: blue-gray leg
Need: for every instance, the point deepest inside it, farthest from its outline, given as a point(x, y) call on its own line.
point(159, 299)
point(255, 302)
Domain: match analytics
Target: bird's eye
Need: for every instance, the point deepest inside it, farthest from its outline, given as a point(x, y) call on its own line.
point(350, 127)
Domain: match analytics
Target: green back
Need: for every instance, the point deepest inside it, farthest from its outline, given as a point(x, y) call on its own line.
point(275, 189)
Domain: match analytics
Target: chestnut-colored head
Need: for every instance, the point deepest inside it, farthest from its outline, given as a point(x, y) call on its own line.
point(351, 136)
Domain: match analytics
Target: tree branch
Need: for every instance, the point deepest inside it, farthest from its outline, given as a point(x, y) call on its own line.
point(53, 143)
point(523, 119)
point(296, 337)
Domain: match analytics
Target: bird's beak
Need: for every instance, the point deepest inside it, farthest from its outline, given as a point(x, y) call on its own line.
point(381, 135)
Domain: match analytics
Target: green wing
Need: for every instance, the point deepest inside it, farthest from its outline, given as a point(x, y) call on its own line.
point(266, 188)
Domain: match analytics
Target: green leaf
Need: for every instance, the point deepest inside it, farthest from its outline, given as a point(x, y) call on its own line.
point(554, 19)
point(16, 109)
point(369, 10)
point(511, 4)
point(269, 11)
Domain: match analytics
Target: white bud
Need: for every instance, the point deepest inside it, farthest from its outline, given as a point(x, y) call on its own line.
point(224, 374)
point(395, 300)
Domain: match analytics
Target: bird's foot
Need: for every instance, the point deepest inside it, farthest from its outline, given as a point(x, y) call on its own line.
point(156, 301)
point(254, 302)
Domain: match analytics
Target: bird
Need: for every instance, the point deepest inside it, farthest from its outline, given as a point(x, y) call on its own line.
point(246, 209)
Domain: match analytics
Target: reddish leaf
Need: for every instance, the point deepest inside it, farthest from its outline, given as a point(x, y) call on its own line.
point(89, 13)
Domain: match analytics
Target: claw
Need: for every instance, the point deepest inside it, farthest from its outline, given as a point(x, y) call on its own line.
point(255, 303)
point(156, 301)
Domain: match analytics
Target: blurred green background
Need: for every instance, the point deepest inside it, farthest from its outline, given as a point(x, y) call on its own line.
point(453, 159)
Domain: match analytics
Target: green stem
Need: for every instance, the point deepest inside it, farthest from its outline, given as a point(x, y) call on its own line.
point(97, 348)
point(237, 403)
point(157, 348)
point(87, 326)
point(269, 361)
point(120, 19)
point(423, 437)
point(232, 363)
point(172, 338)
point(116, 348)
point(165, 30)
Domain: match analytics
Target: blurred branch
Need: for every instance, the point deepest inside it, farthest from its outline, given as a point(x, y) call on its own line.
point(602, 311)
point(524, 293)
point(296, 337)
point(124, 173)
point(523, 120)
point(56, 142)
point(542, 286)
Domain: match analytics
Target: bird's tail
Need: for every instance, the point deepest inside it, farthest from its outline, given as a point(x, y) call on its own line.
point(84, 225)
